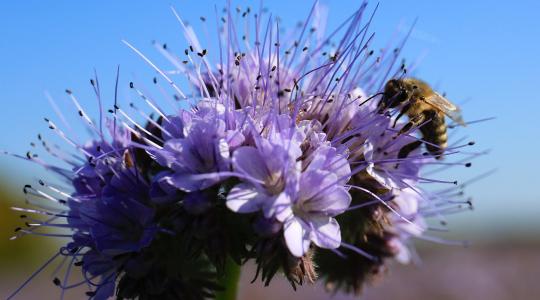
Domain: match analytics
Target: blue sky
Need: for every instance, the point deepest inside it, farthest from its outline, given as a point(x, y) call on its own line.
point(482, 55)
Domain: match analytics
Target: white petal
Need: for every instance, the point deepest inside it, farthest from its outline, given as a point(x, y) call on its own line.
point(244, 198)
point(296, 237)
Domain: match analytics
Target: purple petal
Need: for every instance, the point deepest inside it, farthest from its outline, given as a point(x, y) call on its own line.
point(193, 182)
point(248, 160)
point(315, 182)
point(326, 233)
point(331, 203)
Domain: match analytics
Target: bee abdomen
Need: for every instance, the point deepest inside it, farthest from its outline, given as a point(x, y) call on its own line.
point(435, 135)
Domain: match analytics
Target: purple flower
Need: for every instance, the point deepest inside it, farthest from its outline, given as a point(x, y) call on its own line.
point(200, 151)
point(278, 151)
point(319, 198)
point(303, 195)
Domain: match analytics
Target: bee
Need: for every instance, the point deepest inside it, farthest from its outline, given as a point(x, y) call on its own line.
point(425, 108)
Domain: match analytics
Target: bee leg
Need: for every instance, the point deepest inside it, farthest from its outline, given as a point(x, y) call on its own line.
point(414, 121)
point(401, 113)
point(407, 149)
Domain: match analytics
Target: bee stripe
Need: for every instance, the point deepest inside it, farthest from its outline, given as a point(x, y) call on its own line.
point(440, 129)
point(443, 137)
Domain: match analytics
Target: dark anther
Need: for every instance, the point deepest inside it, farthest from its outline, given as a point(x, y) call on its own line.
point(23, 216)
point(190, 48)
point(80, 113)
point(305, 49)
point(61, 201)
point(78, 263)
point(203, 19)
point(131, 84)
point(18, 229)
point(471, 143)
point(370, 53)
point(455, 182)
point(468, 165)
point(90, 294)
point(68, 91)
point(154, 80)
point(56, 281)
point(186, 52)
point(164, 46)
point(41, 182)
point(92, 82)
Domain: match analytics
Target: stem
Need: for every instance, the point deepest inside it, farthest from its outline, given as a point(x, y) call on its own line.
point(229, 281)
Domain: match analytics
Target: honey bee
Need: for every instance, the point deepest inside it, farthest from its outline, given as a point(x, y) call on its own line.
point(425, 108)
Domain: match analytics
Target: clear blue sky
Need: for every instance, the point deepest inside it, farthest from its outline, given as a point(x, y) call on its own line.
point(479, 52)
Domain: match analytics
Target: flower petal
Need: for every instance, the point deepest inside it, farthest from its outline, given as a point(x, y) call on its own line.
point(315, 182)
point(249, 161)
point(326, 233)
point(296, 237)
point(244, 198)
point(331, 203)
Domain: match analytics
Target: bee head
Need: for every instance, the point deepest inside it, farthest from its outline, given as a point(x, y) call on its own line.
point(395, 93)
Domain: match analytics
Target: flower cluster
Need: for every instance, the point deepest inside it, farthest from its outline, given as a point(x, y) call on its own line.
point(280, 154)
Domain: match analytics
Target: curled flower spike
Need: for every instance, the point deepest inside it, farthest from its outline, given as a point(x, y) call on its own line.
point(288, 151)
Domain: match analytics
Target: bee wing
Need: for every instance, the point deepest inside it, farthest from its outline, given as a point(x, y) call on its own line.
point(449, 109)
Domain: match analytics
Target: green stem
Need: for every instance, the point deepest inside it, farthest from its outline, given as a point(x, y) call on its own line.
point(229, 281)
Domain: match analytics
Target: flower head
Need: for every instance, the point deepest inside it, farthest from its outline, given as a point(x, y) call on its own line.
point(281, 154)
